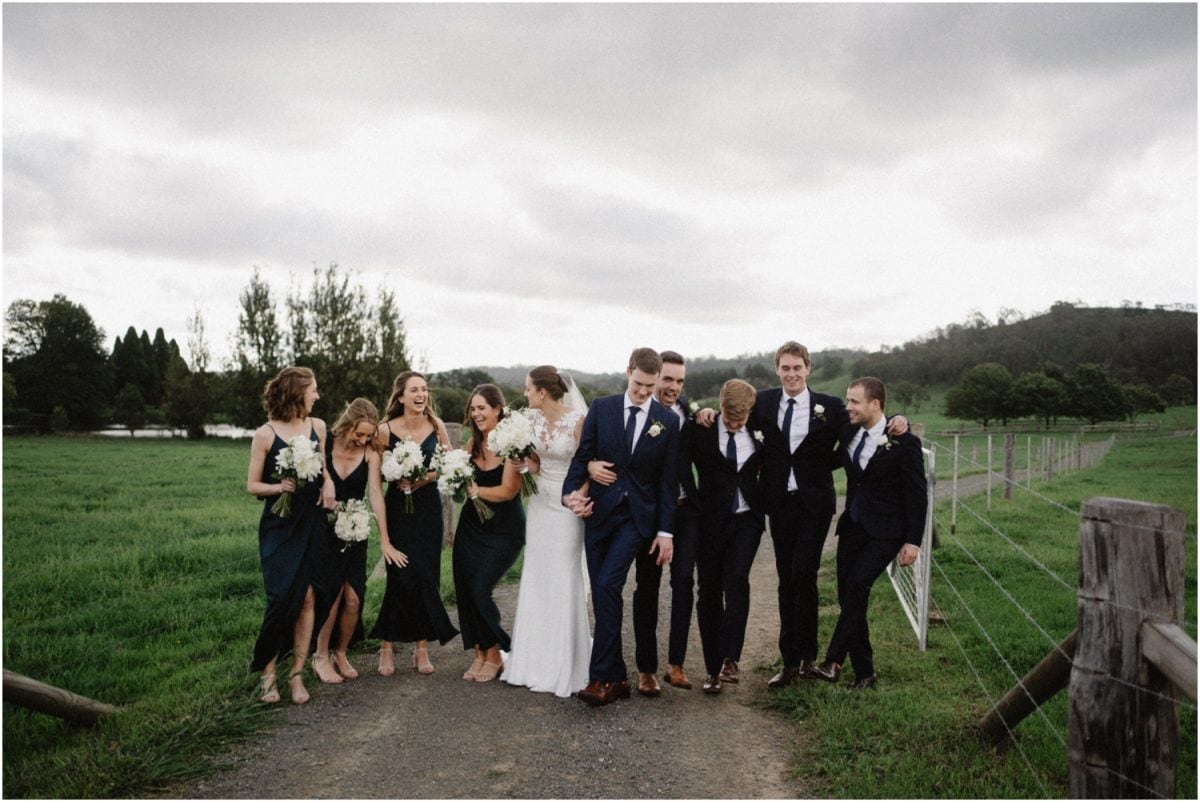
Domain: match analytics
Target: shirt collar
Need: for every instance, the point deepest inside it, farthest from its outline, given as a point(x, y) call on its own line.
point(643, 407)
point(877, 429)
point(800, 400)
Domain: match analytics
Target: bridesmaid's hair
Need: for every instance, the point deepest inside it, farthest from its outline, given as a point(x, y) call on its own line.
point(646, 360)
point(395, 404)
point(545, 377)
point(357, 411)
point(283, 396)
point(495, 399)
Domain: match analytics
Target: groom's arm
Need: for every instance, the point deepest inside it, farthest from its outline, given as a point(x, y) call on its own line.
point(668, 484)
point(577, 472)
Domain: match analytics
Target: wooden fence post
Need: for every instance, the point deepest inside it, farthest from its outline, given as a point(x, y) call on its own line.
point(1123, 731)
point(26, 692)
point(1010, 446)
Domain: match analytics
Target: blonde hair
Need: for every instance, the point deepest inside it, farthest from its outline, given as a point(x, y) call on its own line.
point(737, 398)
point(357, 411)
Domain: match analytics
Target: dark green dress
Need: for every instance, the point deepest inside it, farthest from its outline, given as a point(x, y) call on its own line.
point(288, 549)
point(412, 608)
point(341, 561)
point(483, 553)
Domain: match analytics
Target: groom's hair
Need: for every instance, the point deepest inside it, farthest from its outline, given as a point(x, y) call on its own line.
point(646, 360)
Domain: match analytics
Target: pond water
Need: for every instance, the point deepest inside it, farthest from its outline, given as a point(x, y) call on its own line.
point(214, 430)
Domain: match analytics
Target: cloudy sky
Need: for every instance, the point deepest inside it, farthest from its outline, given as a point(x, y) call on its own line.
point(562, 183)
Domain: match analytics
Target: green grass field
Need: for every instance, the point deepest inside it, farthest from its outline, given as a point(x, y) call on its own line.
point(131, 576)
point(915, 736)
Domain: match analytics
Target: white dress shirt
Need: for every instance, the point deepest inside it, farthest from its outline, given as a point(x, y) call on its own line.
point(870, 448)
point(799, 430)
point(744, 446)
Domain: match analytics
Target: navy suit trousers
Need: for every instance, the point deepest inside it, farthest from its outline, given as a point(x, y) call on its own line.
point(860, 560)
point(610, 550)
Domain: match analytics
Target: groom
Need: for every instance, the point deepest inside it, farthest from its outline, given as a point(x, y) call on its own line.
point(640, 437)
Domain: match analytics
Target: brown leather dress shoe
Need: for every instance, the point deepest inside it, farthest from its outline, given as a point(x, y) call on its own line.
point(806, 669)
point(677, 677)
point(827, 671)
point(863, 684)
point(786, 676)
point(595, 694)
point(648, 684)
point(619, 689)
point(712, 684)
point(729, 671)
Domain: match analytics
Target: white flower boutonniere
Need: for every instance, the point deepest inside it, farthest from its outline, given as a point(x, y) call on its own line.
point(819, 411)
point(758, 435)
point(694, 407)
point(883, 441)
point(656, 428)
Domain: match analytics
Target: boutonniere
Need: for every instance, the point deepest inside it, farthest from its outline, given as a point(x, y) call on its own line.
point(884, 441)
point(656, 428)
point(819, 411)
point(693, 407)
point(759, 436)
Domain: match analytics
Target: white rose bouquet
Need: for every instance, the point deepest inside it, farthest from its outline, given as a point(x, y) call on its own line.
point(405, 461)
point(299, 461)
point(513, 439)
point(351, 521)
point(456, 472)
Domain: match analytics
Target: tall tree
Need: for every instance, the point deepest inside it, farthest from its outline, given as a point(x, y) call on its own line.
point(1094, 395)
point(981, 395)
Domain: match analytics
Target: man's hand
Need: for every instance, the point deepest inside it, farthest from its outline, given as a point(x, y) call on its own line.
point(897, 426)
point(706, 417)
point(908, 555)
point(665, 547)
point(601, 472)
point(578, 503)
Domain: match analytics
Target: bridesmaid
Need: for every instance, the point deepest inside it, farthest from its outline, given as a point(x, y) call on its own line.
point(485, 550)
point(288, 547)
point(353, 463)
point(412, 608)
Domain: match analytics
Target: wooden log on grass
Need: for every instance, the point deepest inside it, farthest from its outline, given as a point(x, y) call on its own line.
point(1044, 680)
point(26, 692)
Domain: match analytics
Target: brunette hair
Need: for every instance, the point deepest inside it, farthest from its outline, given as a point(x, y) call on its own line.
point(646, 360)
point(495, 399)
point(357, 411)
point(546, 377)
point(873, 389)
point(737, 398)
point(395, 404)
point(672, 357)
point(794, 349)
point(283, 396)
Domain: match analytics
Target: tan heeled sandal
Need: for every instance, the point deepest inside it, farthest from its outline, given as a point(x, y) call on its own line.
point(421, 660)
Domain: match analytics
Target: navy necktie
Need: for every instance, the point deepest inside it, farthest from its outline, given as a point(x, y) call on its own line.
point(631, 428)
point(731, 455)
point(787, 425)
point(859, 449)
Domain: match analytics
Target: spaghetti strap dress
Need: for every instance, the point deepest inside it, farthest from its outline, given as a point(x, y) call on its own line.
point(483, 553)
point(412, 607)
point(343, 561)
point(288, 550)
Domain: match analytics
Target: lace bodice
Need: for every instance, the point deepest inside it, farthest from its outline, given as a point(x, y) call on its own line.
point(555, 441)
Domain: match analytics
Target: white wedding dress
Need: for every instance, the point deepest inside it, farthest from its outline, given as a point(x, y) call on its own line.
point(550, 643)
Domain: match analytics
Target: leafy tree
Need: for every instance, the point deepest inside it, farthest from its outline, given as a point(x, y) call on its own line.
point(1039, 396)
point(189, 398)
point(257, 352)
point(130, 408)
point(57, 360)
point(981, 395)
point(758, 375)
point(909, 395)
point(1178, 391)
point(1139, 398)
point(465, 379)
point(1094, 395)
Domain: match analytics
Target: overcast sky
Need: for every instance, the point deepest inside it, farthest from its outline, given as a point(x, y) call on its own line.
point(563, 183)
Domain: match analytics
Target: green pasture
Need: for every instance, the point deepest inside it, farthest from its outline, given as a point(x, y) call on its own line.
point(131, 576)
point(915, 736)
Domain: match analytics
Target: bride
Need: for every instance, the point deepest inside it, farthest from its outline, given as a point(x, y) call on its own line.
point(551, 645)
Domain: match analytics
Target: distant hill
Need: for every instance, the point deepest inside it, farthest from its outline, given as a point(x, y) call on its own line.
point(1136, 345)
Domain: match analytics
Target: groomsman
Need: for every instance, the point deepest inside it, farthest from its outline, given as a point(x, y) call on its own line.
point(727, 458)
point(884, 520)
point(668, 391)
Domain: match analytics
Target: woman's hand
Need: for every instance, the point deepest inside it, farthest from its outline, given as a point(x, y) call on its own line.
point(519, 464)
point(393, 556)
point(472, 490)
point(328, 495)
point(287, 486)
point(406, 485)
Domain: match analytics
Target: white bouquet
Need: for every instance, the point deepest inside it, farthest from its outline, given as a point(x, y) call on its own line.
point(456, 471)
point(352, 520)
point(513, 439)
point(299, 461)
point(405, 461)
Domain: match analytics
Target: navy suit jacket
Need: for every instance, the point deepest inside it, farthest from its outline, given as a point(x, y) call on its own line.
point(814, 461)
point(891, 490)
point(718, 477)
point(649, 477)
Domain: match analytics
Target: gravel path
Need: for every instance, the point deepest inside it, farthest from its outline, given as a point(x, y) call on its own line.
point(412, 736)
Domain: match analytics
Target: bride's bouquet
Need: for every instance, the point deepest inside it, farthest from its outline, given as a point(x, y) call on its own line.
point(455, 472)
point(351, 521)
point(405, 461)
point(299, 461)
point(513, 439)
